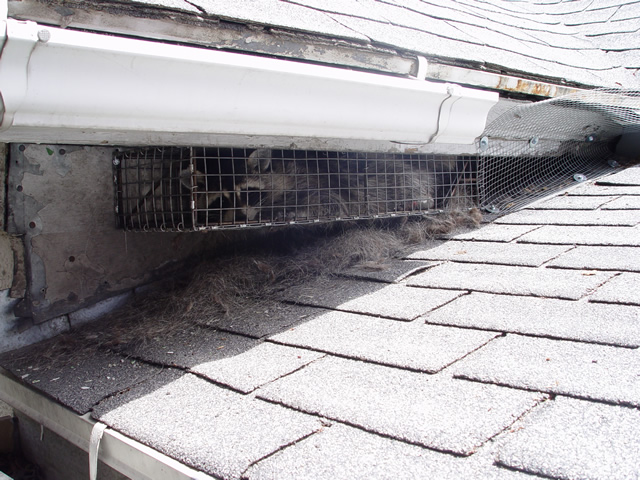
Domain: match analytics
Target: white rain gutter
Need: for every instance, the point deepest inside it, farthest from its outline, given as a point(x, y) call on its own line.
point(65, 86)
point(127, 456)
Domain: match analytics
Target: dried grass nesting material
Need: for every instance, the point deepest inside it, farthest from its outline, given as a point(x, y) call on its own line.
point(264, 265)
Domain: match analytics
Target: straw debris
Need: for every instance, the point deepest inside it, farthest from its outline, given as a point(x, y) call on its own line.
point(262, 266)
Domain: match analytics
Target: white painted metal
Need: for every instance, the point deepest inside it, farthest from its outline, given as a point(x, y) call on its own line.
point(80, 83)
point(94, 448)
point(121, 453)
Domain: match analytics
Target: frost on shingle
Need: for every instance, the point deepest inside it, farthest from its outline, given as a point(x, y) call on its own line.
point(569, 438)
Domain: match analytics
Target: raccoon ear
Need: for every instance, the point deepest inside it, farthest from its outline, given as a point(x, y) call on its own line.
point(259, 160)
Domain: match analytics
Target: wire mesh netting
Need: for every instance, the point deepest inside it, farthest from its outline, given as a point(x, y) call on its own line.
point(527, 153)
point(537, 149)
point(197, 188)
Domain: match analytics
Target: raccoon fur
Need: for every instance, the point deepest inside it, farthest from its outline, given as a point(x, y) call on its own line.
point(225, 187)
point(289, 186)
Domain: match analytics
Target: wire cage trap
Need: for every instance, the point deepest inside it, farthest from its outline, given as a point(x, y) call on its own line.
point(527, 153)
point(197, 188)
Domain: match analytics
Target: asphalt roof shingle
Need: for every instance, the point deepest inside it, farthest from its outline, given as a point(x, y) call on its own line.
point(569, 438)
point(564, 319)
point(572, 42)
point(436, 412)
point(231, 433)
point(587, 371)
point(415, 346)
point(514, 346)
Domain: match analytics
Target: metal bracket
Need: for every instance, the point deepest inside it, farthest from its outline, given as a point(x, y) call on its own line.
point(423, 65)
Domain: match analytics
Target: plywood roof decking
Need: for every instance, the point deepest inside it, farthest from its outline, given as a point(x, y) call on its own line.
point(580, 42)
point(523, 362)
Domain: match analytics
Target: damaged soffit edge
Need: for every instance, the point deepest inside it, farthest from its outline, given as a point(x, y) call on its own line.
point(296, 31)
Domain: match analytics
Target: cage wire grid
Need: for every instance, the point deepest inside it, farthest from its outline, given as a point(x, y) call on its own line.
point(197, 188)
point(527, 153)
point(535, 150)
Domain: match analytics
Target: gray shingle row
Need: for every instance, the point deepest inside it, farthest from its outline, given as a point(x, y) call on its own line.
point(502, 279)
point(387, 272)
point(416, 346)
point(623, 289)
point(628, 11)
point(623, 203)
point(583, 235)
point(626, 218)
point(278, 14)
point(604, 189)
point(547, 41)
point(569, 438)
point(486, 252)
point(204, 426)
point(567, 202)
point(322, 455)
point(80, 379)
point(595, 372)
point(544, 317)
point(600, 258)
point(436, 412)
point(390, 301)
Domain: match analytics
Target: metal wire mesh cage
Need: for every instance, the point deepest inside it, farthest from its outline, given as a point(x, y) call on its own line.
point(536, 149)
point(527, 153)
point(196, 188)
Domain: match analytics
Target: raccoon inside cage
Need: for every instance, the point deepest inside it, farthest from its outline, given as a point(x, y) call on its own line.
point(196, 188)
point(528, 152)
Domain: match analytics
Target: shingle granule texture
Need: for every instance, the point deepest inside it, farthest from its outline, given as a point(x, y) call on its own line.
point(569, 438)
point(415, 346)
point(437, 412)
point(578, 369)
point(565, 319)
point(322, 455)
point(205, 426)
